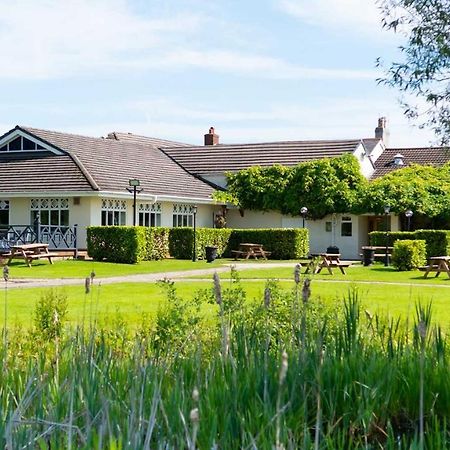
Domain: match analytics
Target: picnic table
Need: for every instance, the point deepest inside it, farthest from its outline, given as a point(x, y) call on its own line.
point(327, 261)
point(437, 264)
point(30, 252)
point(247, 250)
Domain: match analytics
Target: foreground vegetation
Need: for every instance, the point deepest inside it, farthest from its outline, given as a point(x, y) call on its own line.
point(283, 372)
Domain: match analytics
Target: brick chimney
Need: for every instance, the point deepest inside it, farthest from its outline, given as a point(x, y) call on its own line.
point(211, 138)
point(382, 132)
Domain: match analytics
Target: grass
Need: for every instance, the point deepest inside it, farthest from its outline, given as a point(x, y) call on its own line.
point(133, 300)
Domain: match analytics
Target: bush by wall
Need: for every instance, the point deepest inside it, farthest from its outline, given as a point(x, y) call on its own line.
point(283, 243)
point(437, 241)
point(409, 254)
point(181, 241)
point(133, 244)
point(127, 244)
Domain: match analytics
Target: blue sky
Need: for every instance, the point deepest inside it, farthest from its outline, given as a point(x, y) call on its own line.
point(255, 70)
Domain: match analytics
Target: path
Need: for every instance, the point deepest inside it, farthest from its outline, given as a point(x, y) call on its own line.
point(138, 278)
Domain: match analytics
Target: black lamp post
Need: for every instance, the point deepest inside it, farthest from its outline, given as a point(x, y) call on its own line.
point(194, 250)
point(408, 215)
point(303, 212)
point(135, 189)
point(387, 210)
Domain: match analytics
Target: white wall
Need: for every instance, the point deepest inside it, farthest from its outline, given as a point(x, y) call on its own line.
point(253, 219)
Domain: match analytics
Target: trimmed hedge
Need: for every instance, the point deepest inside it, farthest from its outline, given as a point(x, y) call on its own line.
point(437, 241)
point(181, 241)
point(133, 244)
point(409, 254)
point(127, 244)
point(283, 243)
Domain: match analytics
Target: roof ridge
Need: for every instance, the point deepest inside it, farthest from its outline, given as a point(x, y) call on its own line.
point(30, 129)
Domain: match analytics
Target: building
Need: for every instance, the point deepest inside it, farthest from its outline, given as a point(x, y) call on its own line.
point(64, 180)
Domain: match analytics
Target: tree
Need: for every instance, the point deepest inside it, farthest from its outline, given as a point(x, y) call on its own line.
point(425, 69)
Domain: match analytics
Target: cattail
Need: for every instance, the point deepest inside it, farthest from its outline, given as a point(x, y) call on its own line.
point(194, 415)
point(369, 315)
point(306, 290)
point(92, 276)
point(6, 273)
point(267, 297)
point(297, 270)
point(422, 329)
point(217, 289)
point(284, 367)
point(87, 285)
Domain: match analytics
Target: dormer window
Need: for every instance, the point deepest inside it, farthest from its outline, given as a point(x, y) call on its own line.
point(21, 144)
point(398, 160)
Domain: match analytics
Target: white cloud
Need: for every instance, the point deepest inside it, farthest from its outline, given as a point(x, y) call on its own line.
point(358, 15)
point(52, 39)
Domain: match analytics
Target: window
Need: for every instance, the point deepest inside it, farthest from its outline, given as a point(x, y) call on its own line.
point(114, 212)
point(328, 227)
point(20, 144)
point(4, 213)
point(51, 211)
point(183, 215)
point(149, 214)
point(346, 226)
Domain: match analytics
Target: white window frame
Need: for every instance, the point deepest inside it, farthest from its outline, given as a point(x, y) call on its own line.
point(37, 146)
point(52, 211)
point(113, 212)
point(346, 220)
point(149, 214)
point(183, 215)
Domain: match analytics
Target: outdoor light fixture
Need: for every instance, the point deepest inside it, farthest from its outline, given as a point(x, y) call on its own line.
point(303, 212)
point(134, 188)
point(194, 250)
point(408, 215)
point(387, 210)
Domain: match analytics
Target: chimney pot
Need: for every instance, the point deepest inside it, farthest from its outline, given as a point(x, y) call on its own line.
point(381, 131)
point(211, 138)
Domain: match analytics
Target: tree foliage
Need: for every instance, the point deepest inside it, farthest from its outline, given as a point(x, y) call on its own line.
point(425, 68)
point(424, 189)
point(325, 186)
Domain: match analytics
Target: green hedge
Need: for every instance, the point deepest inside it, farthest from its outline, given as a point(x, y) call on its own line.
point(134, 244)
point(181, 242)
point(409, 254)
point(283, 243)
point(127, 244)
point(437, 241)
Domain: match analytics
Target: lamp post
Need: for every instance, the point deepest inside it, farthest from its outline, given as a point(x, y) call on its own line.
point(303, 212)
point(408, 215)
point(134, 189)
point(387, 210)
point(194, 250)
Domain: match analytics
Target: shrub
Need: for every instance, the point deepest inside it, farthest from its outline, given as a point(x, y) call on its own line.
point(181, 242)
point(127, 244)
point(378, 238)
point(409, 254)
point(283, 243)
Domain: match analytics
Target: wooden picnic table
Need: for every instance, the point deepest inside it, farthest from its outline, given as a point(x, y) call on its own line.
point(247, 250)
point(30, 252)
point(437, 264)
point(327, 261)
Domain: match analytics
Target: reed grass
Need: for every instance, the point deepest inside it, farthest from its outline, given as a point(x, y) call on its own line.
point(286, 375)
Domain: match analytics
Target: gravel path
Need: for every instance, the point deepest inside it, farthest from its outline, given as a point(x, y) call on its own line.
point(138, 278)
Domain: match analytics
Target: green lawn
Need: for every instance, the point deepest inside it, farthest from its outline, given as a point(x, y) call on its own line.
point(134, 299)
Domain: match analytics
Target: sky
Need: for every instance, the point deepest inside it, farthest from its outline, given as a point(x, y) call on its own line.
point(256, 70)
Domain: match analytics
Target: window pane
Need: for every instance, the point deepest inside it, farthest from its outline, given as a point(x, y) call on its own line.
point(158, 220)
point(123, 219)
point(45, 219)
point(190, 221)
point(3, 149)
point(152, 219)
point(64, 218)
point(110, 219)
point(4, 218)
point(185, 221)
point(28, 145)
point(16, 144)
point(141, 219)
point(346, 229)
point(54, 217)
point(104, 219)
point(174, 220)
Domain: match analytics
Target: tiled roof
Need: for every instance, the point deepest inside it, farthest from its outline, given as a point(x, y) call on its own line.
point(40, 171)
point(436, 156)
point(213, 159)
point(111, 163)
point(144, 140)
